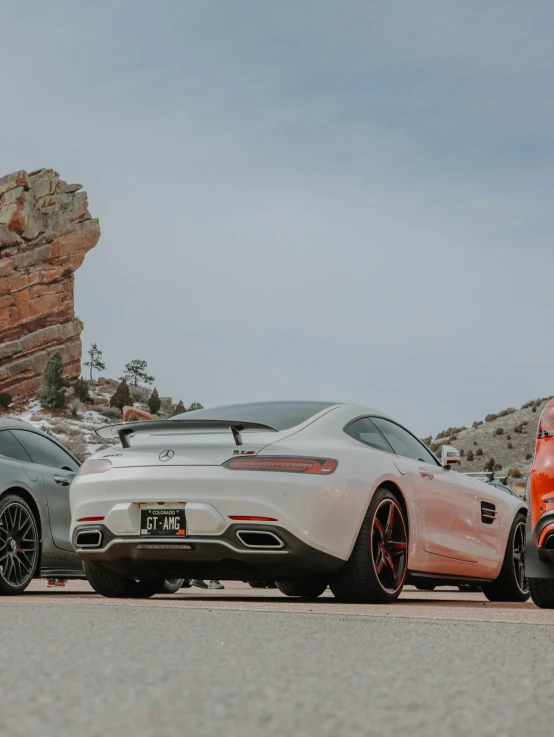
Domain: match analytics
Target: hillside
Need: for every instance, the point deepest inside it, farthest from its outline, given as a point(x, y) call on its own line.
point(74, 426)
point(508, 437)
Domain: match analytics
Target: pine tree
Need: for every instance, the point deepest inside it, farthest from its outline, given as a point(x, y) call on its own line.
point(122, 396)
point(96, 363)
point(179, 409)
point(81, 390)
point(154, 403)
point(135, 373)
point(52, 391)
point(195, 405)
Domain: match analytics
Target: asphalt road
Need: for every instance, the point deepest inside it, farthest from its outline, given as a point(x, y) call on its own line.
point(248, 662)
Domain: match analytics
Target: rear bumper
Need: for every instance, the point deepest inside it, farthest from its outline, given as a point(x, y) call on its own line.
point(223, 557)
point(539, 562)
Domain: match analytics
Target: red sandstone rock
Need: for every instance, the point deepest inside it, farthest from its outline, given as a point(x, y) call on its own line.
point(45, 232)
point(133, 413)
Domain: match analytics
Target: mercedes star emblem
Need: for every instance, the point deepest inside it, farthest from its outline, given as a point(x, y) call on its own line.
point(166, 455)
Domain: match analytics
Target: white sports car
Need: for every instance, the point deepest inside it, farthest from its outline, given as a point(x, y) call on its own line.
point(308, 494)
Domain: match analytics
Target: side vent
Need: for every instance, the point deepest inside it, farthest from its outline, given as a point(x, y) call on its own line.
point(488, 513)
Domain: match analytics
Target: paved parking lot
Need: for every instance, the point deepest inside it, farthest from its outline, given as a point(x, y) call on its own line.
point(252, 662)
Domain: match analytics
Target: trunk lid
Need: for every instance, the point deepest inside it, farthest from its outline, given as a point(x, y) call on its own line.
point(188, 449)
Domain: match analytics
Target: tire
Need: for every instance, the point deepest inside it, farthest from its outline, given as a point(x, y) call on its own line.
point(171, 585)
point(542, 592)
point(309, 589)
point(425, 586)
point(113, 586)
point(19, 545)
point(511, 584)
point(376, 570)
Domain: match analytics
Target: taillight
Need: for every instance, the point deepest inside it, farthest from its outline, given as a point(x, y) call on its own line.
point(94, 465)
point(292, 464)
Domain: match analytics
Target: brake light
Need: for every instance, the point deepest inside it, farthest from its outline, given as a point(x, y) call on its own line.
point(90, 519)
point(292, 464)
point(94, 465)
point(249, 518)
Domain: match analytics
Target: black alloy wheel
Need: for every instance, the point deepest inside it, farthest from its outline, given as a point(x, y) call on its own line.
point(376, 570)
point(519, 557)
point(19, 545)
point(511, 584)
point(389, 544)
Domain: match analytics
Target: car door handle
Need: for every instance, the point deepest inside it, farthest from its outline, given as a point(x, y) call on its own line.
point(62, 481)
point(426, 474)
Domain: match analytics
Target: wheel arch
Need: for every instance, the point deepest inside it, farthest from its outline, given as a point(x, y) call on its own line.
point(399, 494)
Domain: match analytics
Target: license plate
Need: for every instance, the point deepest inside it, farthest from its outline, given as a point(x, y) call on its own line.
point(163, 522)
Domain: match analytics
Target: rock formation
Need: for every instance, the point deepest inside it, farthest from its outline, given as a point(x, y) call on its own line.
point(45, 232)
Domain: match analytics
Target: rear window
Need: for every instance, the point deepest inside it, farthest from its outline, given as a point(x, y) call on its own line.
point(278, 415)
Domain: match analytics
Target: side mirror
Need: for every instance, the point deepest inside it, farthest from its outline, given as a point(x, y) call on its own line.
point(449, 456)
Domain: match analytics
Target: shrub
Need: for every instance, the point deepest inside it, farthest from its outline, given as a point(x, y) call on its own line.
point(479, 452)
point(533, 408)
point(179, 409)
point(509, 446)
point(194, 406)
point(5, 399)
point(508, 437)
point(475, 424)
point(110, 413)
point(462, 453)
point(515, 473)
point(80, 390)
point(497, 467)
point(122, 396)
point(77, 446)
point(75, 406)
point(427, 441)
point(499, 431)
point(52, 392)
point(470, 455)
point(434, 447)
point(490, 464)
point(528, 456)
point(71, 431)
point(154, 403)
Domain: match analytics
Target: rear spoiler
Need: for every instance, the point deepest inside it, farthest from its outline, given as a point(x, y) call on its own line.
point(126, 430)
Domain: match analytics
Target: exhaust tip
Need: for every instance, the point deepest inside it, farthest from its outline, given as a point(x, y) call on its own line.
point(260, 539)
point(88, 539)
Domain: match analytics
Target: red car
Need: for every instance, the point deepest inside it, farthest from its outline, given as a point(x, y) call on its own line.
point(540, 526)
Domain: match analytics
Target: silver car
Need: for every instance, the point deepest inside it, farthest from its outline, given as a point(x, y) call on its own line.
point(35, 475)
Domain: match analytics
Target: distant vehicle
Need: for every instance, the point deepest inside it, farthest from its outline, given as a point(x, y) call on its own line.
point(540, 497)
point(35, 474)
point(307, 494)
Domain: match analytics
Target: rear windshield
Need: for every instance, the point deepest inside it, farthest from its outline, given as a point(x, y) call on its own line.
point(278, 415)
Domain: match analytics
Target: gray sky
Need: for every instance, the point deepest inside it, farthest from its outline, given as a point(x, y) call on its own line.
point(303, 199)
